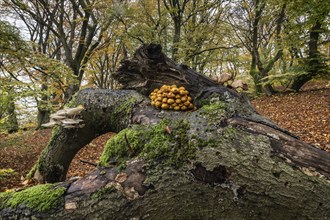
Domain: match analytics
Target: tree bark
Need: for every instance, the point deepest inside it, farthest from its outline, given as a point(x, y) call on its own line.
point(175, 9)
point(221, 161)
point(101, 115)
point(12, 117)
point(43, 110)
point(314, 65)
point(259, 69)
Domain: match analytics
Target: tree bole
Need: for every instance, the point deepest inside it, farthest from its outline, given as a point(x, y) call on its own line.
point(221, 161)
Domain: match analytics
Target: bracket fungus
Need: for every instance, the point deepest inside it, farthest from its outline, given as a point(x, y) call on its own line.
point(66, 118)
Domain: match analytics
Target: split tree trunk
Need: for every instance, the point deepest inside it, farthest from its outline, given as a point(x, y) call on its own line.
point(313, 63)
point(222, 161)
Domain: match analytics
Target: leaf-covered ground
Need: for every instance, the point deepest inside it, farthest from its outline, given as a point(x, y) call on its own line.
point(20, 151)
point(306, 114)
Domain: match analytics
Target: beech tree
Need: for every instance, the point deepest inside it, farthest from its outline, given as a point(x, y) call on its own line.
point(8, 116)
point(314, 18)
point(12, 47)
point(192, 30)
point(64, 31)
point(258, 24)
point(76, 27)
point(104, 61)
point(176, 9)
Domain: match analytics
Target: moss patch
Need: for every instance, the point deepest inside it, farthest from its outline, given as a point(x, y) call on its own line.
point(40, 198)
point(127, 105)
point(117, 148)
point(165, 142)
point(215, 111)
point(215, 108)
point(32, 171)
point(3, 198)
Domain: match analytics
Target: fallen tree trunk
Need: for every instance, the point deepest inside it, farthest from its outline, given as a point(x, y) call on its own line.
point(221, 161)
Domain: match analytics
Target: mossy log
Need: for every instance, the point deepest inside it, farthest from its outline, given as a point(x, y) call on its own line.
point(221, 161)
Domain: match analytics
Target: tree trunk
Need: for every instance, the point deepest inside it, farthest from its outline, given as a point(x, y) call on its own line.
point(176, 10)
point(105, 111)
point(314, 65)
point(43, 109)
point(259, 69)
point(12, 123)
point(221, 161)
point(42, 117)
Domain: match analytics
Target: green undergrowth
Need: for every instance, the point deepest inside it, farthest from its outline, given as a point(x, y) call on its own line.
point(165, 142)
point(41, 197)
point(4, 173)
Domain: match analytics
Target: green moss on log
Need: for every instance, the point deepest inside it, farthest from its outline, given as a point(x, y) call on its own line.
point(4, 198)
point(214, 109)
point(127, 105)
point(32, 171)
point(170, 141)
point(166, 141)
point(41, 197)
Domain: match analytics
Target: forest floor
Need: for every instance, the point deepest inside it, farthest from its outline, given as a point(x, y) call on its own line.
point(306, 114)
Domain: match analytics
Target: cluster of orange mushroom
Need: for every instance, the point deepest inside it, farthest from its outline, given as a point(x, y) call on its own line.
point(172, 97)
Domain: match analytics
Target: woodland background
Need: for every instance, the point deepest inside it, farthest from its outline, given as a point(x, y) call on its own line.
point(50, 49)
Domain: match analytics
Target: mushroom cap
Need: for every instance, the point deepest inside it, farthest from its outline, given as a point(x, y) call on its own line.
point(61, 112)
point(74, 111)
point(69, 121)
point(55, 116)
point(49, 124)
point(171, 97)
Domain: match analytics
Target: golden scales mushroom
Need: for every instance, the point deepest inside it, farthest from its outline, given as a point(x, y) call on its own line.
point(171, 97)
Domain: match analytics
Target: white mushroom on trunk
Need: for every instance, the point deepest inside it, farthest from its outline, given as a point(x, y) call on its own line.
point(66, 118)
